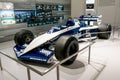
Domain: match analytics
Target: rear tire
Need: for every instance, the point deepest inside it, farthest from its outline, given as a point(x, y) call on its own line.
point(64, 47)
point(23, 37)
point(104, 28)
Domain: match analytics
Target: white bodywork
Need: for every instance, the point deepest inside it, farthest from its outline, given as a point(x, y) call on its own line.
point(88, 28)
point(46, 37)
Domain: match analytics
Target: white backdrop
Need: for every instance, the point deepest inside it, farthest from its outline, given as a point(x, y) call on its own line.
point(110, 9)
point(77, 7)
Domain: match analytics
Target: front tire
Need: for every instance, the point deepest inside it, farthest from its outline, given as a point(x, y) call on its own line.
point(23, 37)
point(64, 47)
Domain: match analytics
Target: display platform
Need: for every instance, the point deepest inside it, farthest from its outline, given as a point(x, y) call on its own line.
point(80, 69)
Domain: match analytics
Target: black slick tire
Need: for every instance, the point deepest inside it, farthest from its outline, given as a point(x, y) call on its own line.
point(23, 37)
point(64, 47)
point(104, 28)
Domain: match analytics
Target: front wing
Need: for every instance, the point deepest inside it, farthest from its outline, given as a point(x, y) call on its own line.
point(41, 55)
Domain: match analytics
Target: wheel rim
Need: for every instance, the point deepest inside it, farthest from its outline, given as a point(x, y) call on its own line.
point(73, 49)
point(28, 39)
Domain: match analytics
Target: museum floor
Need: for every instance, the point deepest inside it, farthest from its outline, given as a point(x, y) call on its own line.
point(103, 52)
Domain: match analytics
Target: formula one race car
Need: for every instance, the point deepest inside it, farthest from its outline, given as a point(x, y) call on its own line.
point(61, 41)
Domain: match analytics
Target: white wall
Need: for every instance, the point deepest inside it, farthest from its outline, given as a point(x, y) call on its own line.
point(110, 9)
point(108, 14)
point(77, 7)
point(90, 1)
point(117, 14)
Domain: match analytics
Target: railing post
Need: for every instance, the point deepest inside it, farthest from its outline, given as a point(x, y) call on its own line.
point(1, 64)
point(28, 73)
point(58, 73)
point(89, 54)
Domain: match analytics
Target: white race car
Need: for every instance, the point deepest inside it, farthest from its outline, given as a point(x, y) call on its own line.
point(60, 40)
